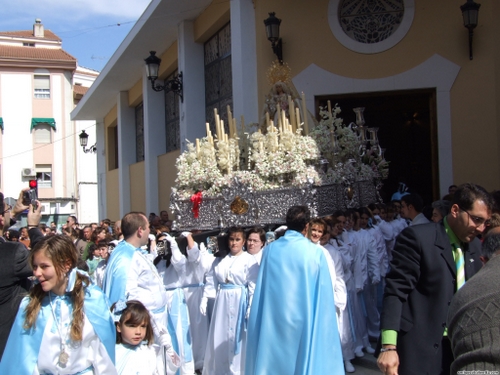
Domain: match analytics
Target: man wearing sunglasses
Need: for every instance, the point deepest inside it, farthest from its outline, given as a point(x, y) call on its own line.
point(430, 263)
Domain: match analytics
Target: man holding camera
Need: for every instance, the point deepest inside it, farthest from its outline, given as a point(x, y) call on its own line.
point(14, 266)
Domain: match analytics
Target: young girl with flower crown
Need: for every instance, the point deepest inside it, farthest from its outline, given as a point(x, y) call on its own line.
point(64, 325)
point(135, 352)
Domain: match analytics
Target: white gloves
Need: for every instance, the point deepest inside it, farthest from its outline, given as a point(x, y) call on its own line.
point(173, 242)
point(173, 361)
point(203, 305)
point(176, 253)
point(247, 315)
point(281, 229)
point(173, 356)
point(164, 339)
point(202, 247)
point(185, 234)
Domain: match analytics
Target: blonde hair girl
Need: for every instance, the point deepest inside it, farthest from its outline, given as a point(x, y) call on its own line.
point(64, 325)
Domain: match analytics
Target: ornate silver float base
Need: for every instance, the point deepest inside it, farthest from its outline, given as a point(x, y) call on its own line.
point(240, 206)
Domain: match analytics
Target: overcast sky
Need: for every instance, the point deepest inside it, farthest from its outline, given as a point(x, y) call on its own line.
point(91, 30)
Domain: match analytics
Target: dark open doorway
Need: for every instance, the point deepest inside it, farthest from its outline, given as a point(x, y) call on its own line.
point(407, 130)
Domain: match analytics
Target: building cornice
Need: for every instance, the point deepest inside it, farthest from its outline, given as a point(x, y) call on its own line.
point(38, 64)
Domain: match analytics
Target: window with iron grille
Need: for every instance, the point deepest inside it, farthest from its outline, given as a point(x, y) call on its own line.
point(368, 21)
point(172, 118)
point(218, 76)
point(139, 132)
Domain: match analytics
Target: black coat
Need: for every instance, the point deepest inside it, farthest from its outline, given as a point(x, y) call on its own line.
point(418, 292)
point(14, 271)
point(14, 283)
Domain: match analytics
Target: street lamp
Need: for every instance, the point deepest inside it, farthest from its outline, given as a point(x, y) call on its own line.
point(152, 68)
point(470, 13)
point(84, 138)
point(273, 35)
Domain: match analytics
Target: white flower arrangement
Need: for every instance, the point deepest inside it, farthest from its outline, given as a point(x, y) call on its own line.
point(279, 159)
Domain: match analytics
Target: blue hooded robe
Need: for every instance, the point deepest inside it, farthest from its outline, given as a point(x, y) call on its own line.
point(293, 328)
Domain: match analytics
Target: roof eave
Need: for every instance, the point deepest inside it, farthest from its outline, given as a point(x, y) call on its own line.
point(125, 67)
point(38, 63)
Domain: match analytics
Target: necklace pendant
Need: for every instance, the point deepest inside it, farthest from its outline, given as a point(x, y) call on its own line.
point(63, 358)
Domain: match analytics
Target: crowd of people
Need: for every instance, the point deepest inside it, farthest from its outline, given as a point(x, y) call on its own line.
point(305, 298)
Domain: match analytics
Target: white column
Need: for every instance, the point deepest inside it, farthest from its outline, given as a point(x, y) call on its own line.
point(100, 132)
point(191, 64)
point(244, 60)
point(154, 140)
point(126, 149)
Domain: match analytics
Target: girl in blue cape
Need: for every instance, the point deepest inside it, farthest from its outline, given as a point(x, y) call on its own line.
point(64, 325)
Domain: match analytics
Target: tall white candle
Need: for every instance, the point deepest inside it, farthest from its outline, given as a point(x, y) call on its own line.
point(217, 127)
point(291, 110)
point(297, 119)
point(283, 118)
point(304, 111)
point(278, 109)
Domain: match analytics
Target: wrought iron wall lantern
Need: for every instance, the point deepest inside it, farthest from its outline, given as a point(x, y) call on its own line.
point(152, 68)
point(84, 138)
point(470, 13)
point(273, 35)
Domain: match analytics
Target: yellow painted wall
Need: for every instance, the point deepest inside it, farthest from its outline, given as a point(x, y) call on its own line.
point(137, 187)
point(112, 183)
point(169, 61)
point(211, 20)
point(167, 173)
point(111, 117)
point(112, 195)
point(135, 94)
point(437, 28)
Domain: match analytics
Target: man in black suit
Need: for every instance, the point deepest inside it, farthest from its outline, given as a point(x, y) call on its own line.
point(14, 267)
point(422, 282)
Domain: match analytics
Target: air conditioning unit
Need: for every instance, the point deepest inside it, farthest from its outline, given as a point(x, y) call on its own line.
point(46, 208)
point(28, 172)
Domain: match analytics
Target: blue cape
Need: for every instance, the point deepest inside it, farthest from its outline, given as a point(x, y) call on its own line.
point(21, 353)
point(293, 328)
point(115, 277)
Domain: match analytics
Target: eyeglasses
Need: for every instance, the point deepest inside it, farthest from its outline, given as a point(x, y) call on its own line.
point(8, 207)
point(478, 221)
point(253, 241)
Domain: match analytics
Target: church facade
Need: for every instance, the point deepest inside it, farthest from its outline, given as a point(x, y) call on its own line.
point(406, 62)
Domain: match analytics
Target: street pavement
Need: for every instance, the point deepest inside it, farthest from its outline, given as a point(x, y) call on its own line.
point(366, 365)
